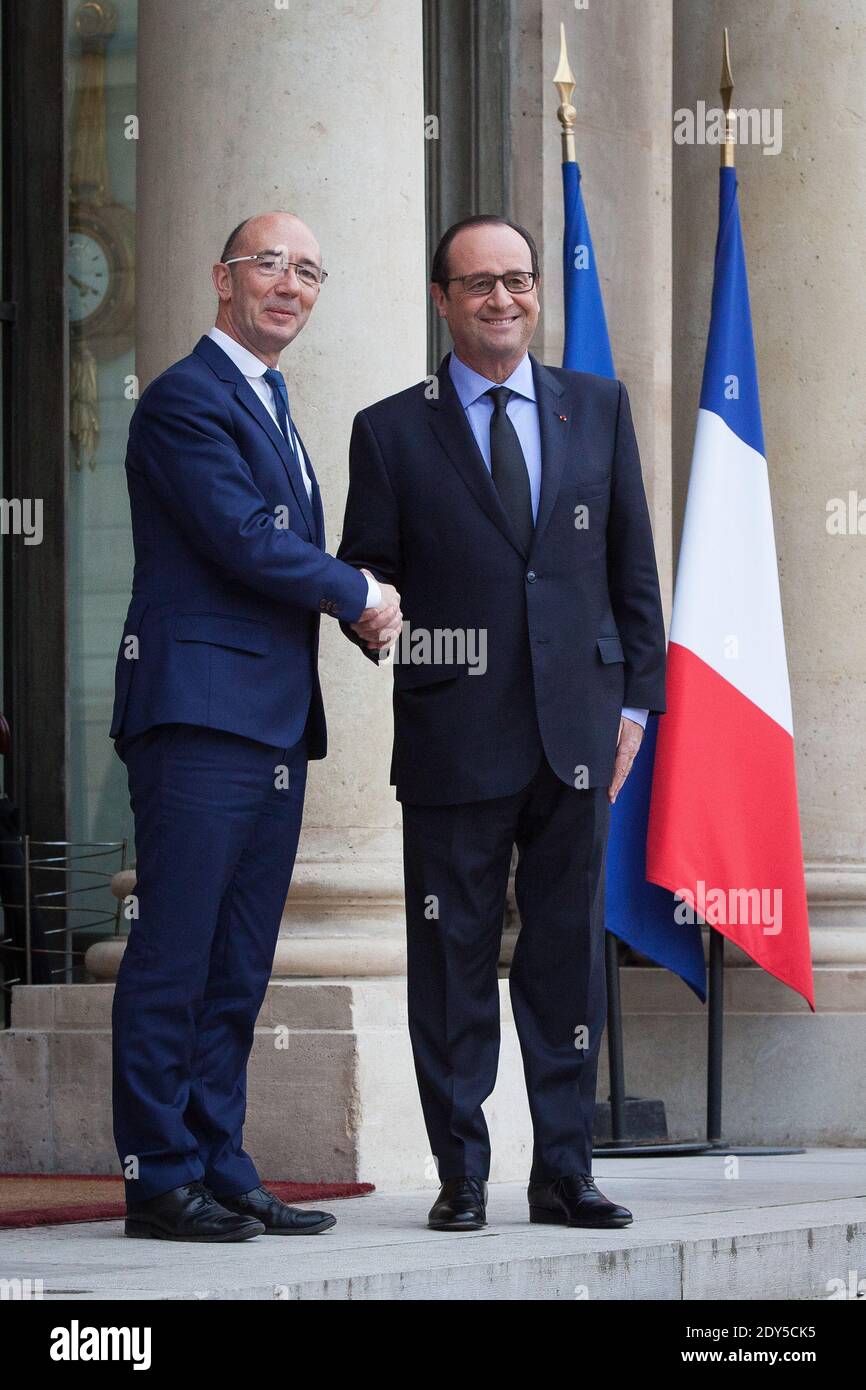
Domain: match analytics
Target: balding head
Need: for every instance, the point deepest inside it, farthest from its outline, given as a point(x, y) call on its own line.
point(250, 230)
point(265, 313)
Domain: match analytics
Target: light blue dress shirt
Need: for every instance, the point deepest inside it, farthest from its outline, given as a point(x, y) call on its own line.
point(522, 411)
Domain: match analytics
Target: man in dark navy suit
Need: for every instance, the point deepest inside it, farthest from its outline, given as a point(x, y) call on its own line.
point(217, 710)
point(505, 500)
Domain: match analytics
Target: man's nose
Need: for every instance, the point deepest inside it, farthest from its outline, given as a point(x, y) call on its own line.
point(288, 282)
point(499, 298)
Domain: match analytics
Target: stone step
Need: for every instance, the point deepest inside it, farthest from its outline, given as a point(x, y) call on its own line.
point(787, 1228)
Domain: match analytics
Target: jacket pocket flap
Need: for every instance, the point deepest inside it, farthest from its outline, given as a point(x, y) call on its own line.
point(409, 676)
point(611, 649)
point(245, 635)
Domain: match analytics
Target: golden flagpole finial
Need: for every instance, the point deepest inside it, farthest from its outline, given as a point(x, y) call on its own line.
point(563, 80)
point(726, 91)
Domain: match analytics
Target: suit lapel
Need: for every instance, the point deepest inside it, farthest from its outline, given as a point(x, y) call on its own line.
point(248, 398)
point(555, 423)
point(316, 500)
point(226, 370)
point(454, 432)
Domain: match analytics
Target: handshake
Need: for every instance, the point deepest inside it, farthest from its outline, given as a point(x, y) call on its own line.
point(379, 627)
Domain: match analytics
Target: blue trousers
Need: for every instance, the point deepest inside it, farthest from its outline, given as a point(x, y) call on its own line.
point(216, 831)
point(456, 864)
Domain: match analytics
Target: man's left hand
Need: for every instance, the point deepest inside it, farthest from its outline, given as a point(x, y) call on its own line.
point(630, 735)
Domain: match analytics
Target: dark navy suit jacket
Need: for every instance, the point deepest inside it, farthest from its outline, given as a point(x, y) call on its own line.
point(574, 627)
point(231, 574)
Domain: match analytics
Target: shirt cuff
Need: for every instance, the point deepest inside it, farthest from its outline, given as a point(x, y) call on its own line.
point(374, 593)
point(638, 715)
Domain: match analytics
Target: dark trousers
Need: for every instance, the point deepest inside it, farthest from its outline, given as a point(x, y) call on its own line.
point(456, 864)
point(216, 832)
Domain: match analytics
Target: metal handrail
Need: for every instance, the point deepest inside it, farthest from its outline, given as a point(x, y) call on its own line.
point(67, 900)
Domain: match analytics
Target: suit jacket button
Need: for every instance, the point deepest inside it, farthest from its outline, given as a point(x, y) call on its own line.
point(531, 576)
point(323, 604)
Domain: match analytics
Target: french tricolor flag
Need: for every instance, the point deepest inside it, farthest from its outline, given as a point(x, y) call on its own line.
point(724, 826)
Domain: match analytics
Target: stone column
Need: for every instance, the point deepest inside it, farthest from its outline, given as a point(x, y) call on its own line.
point(804, 213)
point(318, 110)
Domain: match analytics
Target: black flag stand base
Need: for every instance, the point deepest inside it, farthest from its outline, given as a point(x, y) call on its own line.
point(621, 1147)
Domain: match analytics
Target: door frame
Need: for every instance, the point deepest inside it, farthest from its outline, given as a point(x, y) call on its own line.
point(36, 413)
point(467, 86)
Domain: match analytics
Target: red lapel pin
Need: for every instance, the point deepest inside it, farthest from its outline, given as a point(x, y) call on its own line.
point(564, 418)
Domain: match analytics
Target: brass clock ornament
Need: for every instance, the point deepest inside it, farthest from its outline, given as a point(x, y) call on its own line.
point(101, 244)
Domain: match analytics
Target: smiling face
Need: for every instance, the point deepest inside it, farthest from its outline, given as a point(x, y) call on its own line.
point(491, 334)
point(266, 313)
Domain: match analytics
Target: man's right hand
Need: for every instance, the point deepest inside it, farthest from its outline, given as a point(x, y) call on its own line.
point(379, 627)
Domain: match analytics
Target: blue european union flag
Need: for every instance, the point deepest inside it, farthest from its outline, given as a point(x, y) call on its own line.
point(638, 912)
point(587, 345)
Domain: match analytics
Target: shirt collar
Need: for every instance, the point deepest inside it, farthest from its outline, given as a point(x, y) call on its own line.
point(470, 386)
point(245, 361)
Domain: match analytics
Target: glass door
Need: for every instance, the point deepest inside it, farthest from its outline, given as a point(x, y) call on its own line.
point(102, 142)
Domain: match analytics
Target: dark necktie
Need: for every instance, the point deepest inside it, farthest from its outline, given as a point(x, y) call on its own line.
point(508, 467)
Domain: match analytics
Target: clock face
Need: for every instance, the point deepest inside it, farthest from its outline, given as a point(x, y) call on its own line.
point(89, 275)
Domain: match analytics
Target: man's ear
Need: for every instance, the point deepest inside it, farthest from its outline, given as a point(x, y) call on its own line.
point(438, 295)
point(222, 280)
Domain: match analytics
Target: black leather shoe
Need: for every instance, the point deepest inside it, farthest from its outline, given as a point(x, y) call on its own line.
point(276, 1216)
point(460, 1206)
point(574, 1201)
point(189, 1212)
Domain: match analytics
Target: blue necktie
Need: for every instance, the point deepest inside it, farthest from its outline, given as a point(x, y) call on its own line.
point(284, 416)
point(281, 405)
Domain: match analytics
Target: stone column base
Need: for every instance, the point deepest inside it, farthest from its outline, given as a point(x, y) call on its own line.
point(332, 1094)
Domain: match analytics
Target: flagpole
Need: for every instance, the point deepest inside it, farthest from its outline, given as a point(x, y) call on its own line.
point(726, 91)
point(563, 80)
point(642, 1114)
point(716, 972)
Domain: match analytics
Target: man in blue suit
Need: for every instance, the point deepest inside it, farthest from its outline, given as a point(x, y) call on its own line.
point(505, 499)
point(217, 710)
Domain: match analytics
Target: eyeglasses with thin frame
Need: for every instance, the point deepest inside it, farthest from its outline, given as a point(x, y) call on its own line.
point(483, 282)
point(272, 263)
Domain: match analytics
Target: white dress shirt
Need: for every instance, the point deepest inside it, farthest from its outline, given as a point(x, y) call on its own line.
point(253, 368)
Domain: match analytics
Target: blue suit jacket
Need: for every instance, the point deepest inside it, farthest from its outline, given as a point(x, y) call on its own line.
point(573, 625)
point(231, 574)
